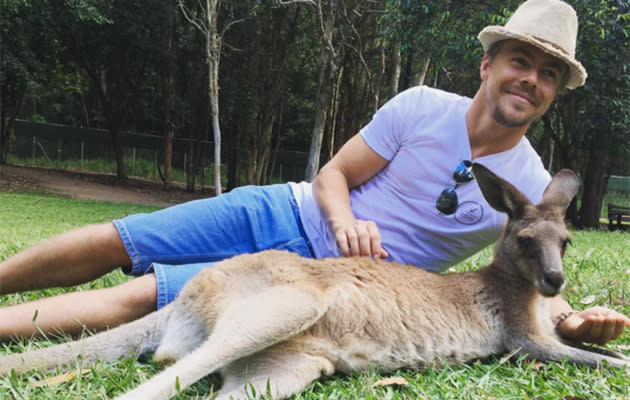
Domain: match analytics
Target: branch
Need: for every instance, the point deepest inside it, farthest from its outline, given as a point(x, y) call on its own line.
point(228, 26)
point(289, 2)
point(190, 19)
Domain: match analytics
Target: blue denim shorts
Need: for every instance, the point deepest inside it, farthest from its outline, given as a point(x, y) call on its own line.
point(177, 242)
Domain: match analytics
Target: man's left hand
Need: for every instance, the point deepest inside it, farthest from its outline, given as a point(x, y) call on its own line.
point(597, 325)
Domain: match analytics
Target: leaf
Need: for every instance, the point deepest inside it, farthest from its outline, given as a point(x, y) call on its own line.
point(394, 380)
point(55, 380)
point(535, 365)
point(588, 299)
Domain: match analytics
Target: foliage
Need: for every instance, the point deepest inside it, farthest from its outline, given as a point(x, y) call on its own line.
point(592, 130)
point(102, 63)
point(25, 57)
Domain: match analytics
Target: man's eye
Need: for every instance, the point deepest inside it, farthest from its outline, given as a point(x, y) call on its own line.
point(520, 61)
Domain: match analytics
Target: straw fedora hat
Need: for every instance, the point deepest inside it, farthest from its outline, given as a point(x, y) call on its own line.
point(550, 25)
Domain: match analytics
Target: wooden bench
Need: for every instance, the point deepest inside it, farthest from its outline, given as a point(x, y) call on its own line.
point(617, 215)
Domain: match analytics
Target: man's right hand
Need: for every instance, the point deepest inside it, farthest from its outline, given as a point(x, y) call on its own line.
point(360, 238)
point(354, 164)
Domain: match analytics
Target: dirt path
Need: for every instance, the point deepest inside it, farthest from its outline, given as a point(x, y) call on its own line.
point(88, 186)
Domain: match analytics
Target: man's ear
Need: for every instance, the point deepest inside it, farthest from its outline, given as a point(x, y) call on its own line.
point(484, 66)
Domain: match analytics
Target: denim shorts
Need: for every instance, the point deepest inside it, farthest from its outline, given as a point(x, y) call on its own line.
point(177, 242)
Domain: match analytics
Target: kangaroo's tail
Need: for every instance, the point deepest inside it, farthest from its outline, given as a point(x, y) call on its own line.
point(131, 339)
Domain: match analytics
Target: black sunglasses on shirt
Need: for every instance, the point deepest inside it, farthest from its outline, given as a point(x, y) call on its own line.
point(447, 203)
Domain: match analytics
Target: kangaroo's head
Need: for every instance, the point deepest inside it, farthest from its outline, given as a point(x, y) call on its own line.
point(535, 237)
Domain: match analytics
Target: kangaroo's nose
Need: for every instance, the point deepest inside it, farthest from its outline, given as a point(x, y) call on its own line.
point(552, 283)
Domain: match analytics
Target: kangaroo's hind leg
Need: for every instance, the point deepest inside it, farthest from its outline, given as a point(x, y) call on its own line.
point(183, 332)
point(283, 374)
point(246, 326)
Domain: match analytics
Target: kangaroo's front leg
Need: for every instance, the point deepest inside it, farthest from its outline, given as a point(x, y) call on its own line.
point(599, 350)
point(243, 328)
point(549, 348)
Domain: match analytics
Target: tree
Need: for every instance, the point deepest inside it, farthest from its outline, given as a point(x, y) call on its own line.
point(594, 118)
point(338, 25)
point(167, 86)
point(325, 15)
point(276, 29)
point(205, 19)
point(27, 54)
point(113, 41)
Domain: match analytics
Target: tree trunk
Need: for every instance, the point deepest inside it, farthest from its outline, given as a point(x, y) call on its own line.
point(567, 151)
point(168, 94)
point(190, 166)
point(327, 74)
point(8, 117)
point(113, 111)
point(270, 72)
point(594, 188)
point(425, 68)
point(321, 112)
point(396, 68)
point(213, 53)
point(114, 133)
point(112, 116)
point(334, 114)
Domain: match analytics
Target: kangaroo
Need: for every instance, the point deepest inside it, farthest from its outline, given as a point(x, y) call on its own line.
point(276, 321)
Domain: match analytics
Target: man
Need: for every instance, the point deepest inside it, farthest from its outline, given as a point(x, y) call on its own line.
point(388, 193)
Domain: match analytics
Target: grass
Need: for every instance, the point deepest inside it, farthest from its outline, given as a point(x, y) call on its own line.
point(597, 265)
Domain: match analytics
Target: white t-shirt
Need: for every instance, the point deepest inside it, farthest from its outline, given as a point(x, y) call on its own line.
point(422, 132)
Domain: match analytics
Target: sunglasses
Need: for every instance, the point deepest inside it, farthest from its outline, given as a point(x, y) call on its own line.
point(447, 203)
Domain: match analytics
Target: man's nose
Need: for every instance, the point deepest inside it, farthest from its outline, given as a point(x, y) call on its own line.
point(530, 77)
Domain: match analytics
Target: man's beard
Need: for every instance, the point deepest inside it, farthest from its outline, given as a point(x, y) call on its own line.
point(500, 117)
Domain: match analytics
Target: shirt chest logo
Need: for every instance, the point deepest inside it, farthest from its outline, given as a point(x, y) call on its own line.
point(469, 213)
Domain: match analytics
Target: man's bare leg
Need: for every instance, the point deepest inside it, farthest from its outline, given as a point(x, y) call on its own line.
point(70, 313)
point(65, 260)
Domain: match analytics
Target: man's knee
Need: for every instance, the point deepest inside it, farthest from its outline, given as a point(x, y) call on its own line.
point(111, 244)
point(139, 295)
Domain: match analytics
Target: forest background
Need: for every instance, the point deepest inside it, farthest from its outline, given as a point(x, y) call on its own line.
point(252, 76)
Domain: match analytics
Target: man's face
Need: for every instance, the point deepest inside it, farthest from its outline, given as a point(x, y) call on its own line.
point(521, 81)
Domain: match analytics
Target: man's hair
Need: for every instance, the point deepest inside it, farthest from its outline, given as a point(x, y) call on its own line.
point(494, 49)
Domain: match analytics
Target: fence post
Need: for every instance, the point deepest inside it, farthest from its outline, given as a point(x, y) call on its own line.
point(82, 152)
point(59, 151)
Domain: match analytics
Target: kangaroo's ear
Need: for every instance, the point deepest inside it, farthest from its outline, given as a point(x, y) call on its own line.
point(499, 193)
point(561, 190)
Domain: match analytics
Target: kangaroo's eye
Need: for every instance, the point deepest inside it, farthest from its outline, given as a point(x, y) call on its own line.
point(525, 243)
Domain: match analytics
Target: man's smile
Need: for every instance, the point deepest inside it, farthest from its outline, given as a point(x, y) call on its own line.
point(523, 95)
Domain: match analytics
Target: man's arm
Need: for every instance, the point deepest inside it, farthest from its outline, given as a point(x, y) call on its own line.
point(354, 164)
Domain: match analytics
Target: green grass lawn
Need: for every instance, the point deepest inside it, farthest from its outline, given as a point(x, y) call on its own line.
point(598, 270)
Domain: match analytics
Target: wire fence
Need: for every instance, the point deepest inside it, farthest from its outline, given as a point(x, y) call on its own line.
point(67, 147)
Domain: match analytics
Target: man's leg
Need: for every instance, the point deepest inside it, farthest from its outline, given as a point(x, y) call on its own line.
point(65, 260)
point(70, 313)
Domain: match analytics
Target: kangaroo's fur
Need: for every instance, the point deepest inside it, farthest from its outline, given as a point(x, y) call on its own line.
point(277, 319)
